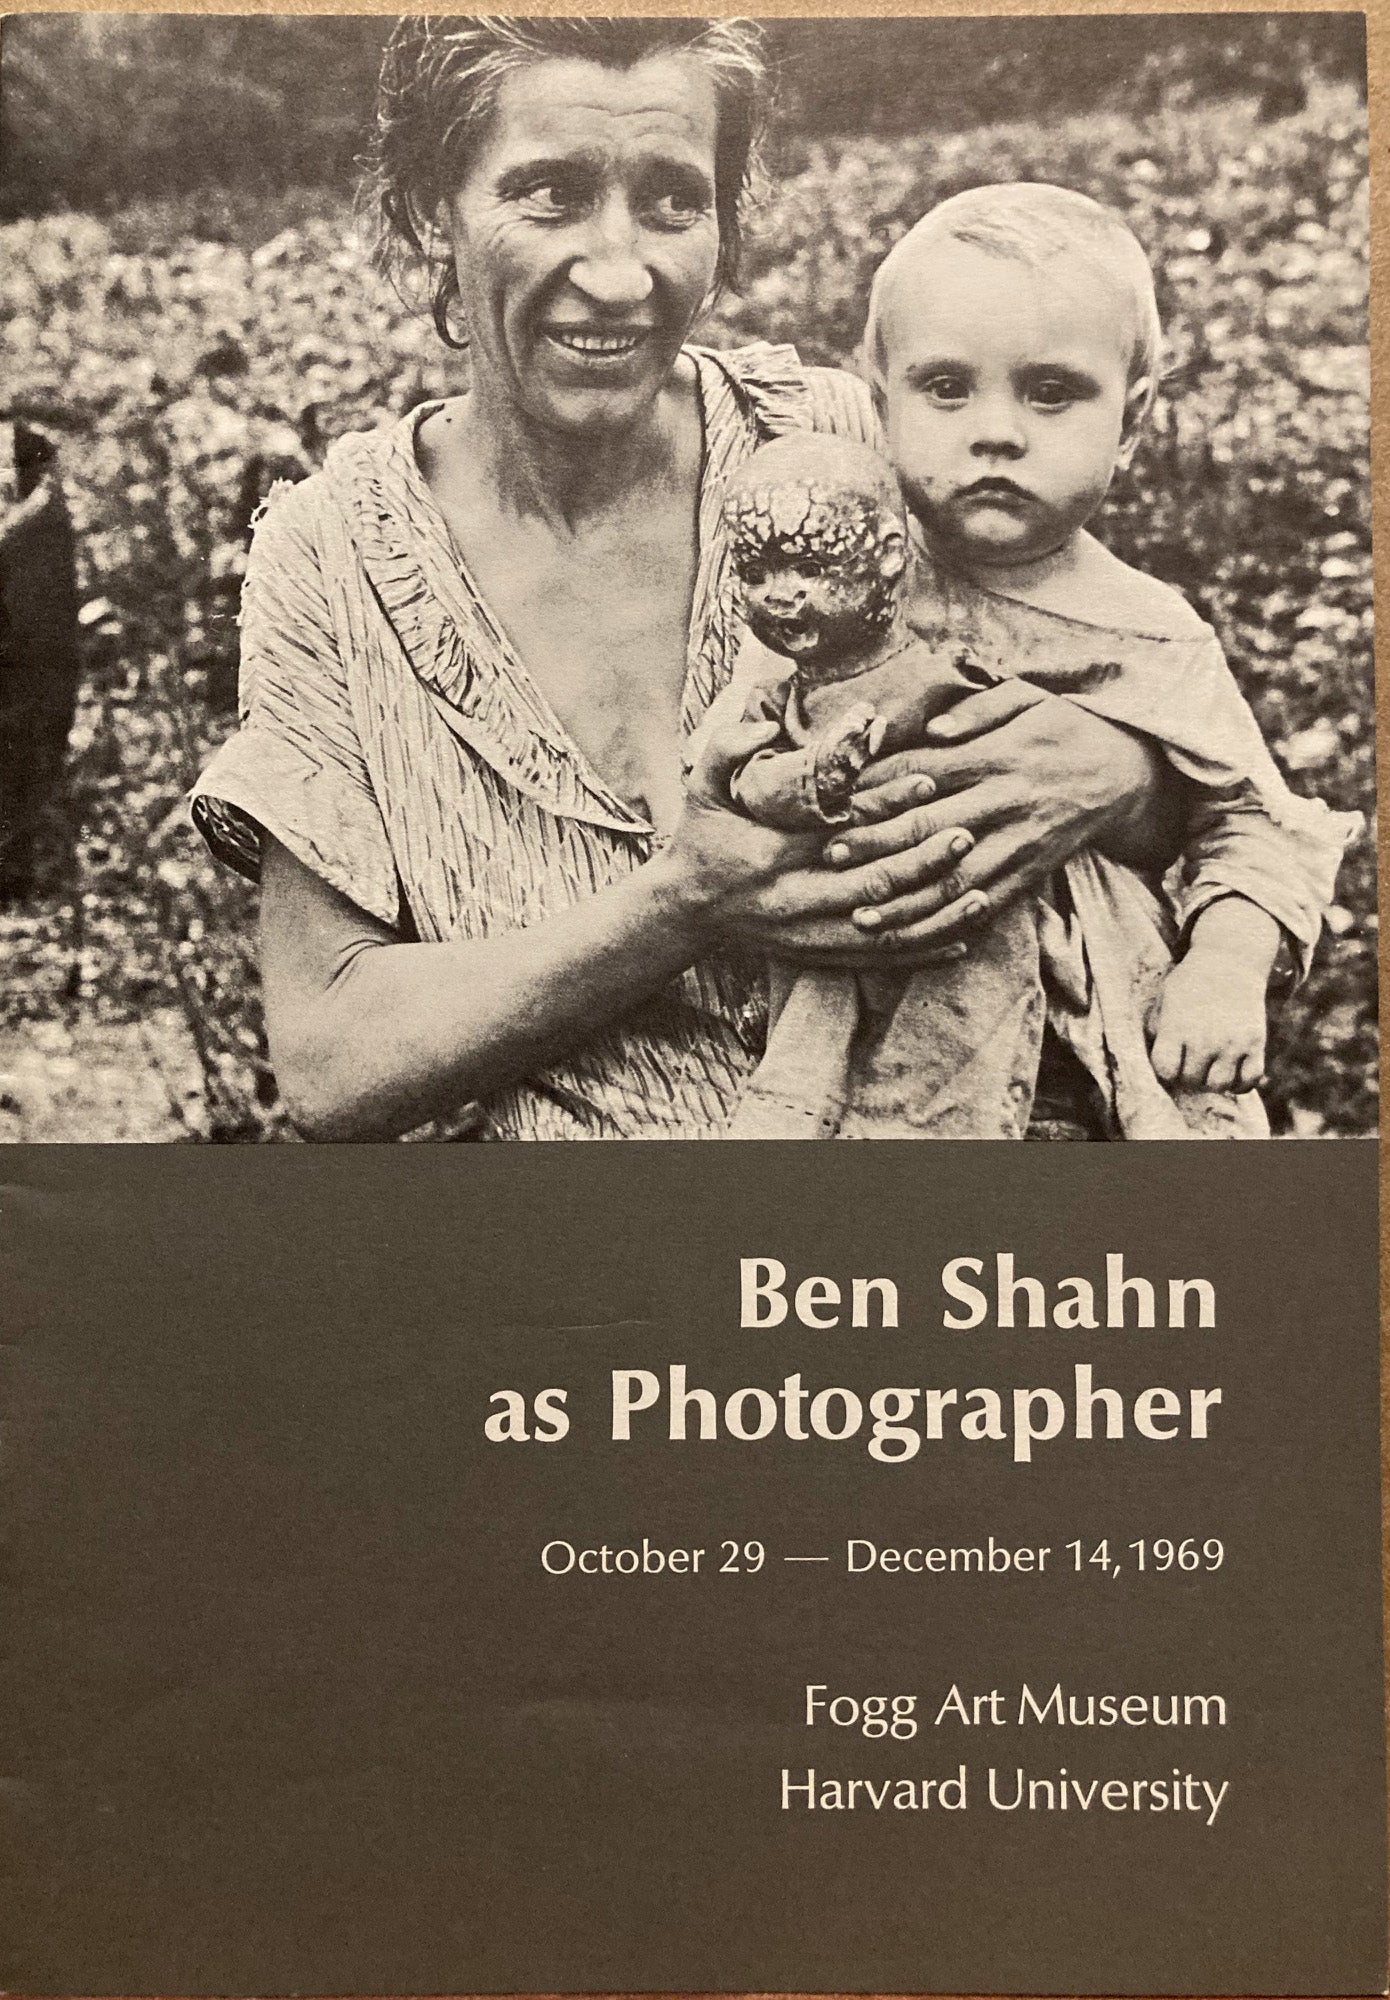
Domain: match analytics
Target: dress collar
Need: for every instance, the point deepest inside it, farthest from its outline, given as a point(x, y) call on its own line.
point(459, 650)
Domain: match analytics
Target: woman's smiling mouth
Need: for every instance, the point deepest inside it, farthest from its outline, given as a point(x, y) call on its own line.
point(591, 345)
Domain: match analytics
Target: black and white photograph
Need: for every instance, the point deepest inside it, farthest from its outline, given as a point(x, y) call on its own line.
point(584, 578)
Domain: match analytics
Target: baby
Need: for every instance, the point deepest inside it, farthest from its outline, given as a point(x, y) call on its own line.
point(1013, 348)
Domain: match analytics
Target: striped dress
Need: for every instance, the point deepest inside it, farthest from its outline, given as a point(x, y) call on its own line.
point(391, 739)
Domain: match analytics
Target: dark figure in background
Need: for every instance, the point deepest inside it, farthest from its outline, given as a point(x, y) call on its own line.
point(39, 663)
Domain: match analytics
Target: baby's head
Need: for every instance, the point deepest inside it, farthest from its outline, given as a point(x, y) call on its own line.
point(819, 542)
point(1012, 346)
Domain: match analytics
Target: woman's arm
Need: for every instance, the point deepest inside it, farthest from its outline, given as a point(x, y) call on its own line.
point(1031, 779)
point(371, 1037)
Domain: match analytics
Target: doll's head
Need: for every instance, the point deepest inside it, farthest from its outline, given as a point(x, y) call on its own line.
point(819, 541)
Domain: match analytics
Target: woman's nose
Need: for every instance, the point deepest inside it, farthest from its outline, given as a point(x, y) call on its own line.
point(610, 268)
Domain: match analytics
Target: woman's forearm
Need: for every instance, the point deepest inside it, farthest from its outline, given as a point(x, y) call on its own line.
point(371, 1037)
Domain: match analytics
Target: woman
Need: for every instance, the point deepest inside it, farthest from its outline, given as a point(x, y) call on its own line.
point(474, 644)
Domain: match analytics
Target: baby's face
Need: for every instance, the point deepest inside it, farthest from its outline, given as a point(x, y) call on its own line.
point(1005, 388)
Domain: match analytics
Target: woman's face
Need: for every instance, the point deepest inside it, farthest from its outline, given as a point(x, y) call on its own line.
point(586, 238)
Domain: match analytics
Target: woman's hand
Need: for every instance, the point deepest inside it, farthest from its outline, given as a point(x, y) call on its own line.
point(1026, 779)
point(727, 880)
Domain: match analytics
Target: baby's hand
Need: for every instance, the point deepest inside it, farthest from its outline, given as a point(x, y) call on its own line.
point(1208, 1024)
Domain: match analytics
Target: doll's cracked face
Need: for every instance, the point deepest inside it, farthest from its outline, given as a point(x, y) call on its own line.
point(819, 565)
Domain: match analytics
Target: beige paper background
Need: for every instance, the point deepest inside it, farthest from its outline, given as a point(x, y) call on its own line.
point(1377, 14)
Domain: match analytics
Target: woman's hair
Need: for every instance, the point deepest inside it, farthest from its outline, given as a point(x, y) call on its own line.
point(439, 83)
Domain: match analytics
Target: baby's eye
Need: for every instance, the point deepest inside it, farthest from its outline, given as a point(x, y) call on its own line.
point(947, 391)
point(1052, 390)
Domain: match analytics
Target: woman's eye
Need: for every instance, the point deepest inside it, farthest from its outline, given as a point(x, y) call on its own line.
point(678, 209)
point(552, 200)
